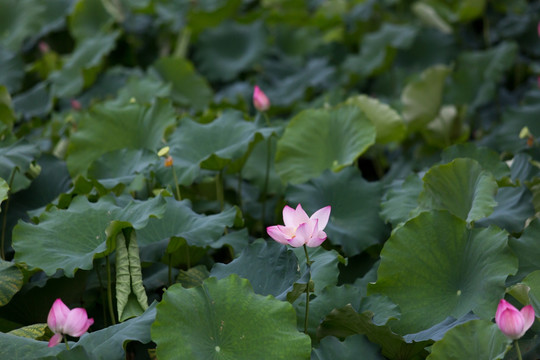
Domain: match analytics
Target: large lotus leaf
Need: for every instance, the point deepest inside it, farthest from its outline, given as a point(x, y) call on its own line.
point(225, 51)
point(34, 331)
point(13, 70)
point(208, 14)
point(388, 124)
point(288, 81)
point(224, 319)
point(37, 101)
point(346, 321)
point(477, 74)
point(11, 281)
point(188, 87)
point(226, 141)
point(70, 239)
point(401, 199)
point(461, 187)
point(257, 261)
point(476, 339)
point(436, 259)
point(108, 343)
point(324, 267)
point(70, 80)
point(18, 21)
point(15, 160)
point(532, 281)
point(180, 222)
point(88, 18)
point(487, 158)
point(378, 48)
point(349, 349)
point(514, 207)
point(527, 249)
point(317, 140)
point(437, 332)
point(121, 166)
point(109, 127)
point(143, 89)
point(422, 97)
point(354, 222)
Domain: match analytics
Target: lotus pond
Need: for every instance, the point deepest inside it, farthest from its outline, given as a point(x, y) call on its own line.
point(273, 179)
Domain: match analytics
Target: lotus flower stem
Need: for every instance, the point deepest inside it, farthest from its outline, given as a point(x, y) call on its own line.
point(109, 291)
point(266, 178)
point(518, 351)
point(177, 187)
point(219, 189)
point(308, 263)
point(4, 220)
point(66, 341)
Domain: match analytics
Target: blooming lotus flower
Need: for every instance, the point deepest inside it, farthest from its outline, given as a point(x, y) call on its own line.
point(512, 322)
point(62, 321)
point(300, 229)
point(260, 100)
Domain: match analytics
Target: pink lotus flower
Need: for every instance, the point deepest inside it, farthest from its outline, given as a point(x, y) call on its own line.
point(300, 229)
point(260, 100)
point(513, 323)
point(62, 321)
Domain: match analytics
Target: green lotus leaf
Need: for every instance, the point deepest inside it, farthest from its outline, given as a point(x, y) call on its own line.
point(331, 348)
point(401, 200)
point(324, 267)
point(11, 281)
point(532, 281)
point(224, 319)
point(88, 18)
point(514, 207)
point(143, 89)
point(37, 101)
point(225, 142)
point(180, 222)
point(346, 321)
point(13, 73)
point(436, 259)
point(225, 51)
point(257, 261)
point(527, 250)
point(23, 348)
point(317, 140)
point(70, 239)
point(354, 222)
point(141, 126)
point(76, 72)
point(476, 339)
point(474, 81)
point(461, 187)
point(35, 331)
point(15, 161)
point(422, 98)
point(188, 88)
point(121, 166)
point(487, 158)
point(4, 190)
point(7, 115)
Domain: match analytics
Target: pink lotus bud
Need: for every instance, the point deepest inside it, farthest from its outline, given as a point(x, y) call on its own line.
point(538, 29)
point(260, 100)
point(512, 322)
point(75, 104)
point(300, 229)
point(62, 321)
point(44, 47)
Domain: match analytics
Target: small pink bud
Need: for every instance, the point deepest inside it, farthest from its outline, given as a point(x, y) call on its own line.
point(168, 161)
point(76, 105)
point(44, 47)
point(260, 100)
point(512, 322)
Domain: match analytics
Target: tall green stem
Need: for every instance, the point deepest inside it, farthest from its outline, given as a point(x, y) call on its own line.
point(308, 263)
point(109, 290)
point(219, 189)
point(517, 350)
point(4, 220)
point(66, 341)
point(266, 178)
point(177, 187)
